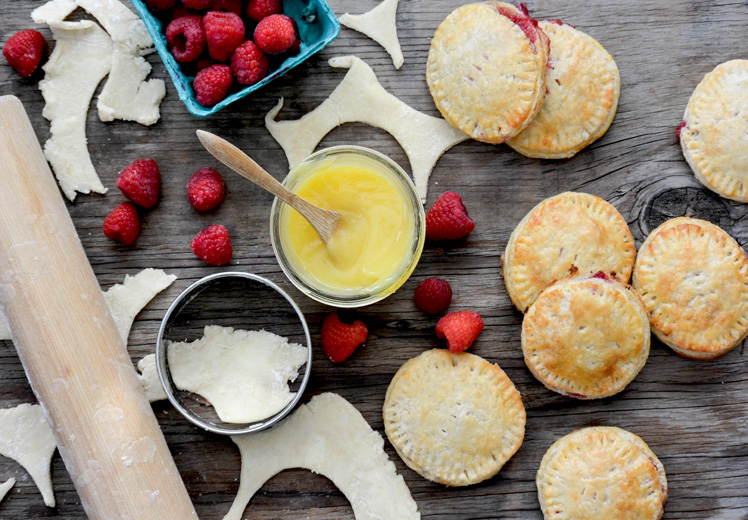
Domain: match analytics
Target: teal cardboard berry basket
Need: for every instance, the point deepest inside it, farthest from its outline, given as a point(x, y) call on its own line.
point(317, 24)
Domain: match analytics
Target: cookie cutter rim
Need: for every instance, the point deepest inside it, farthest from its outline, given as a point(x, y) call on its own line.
point(165, 379)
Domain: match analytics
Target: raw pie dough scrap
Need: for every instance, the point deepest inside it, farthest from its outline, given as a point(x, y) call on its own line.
point(485, 73)
point(380, 25)
point(571, 231)
point(360, 98)
point(582, 90)
point(586, 337)
point(81, 58)
point(455, 419)
point(244, 374)
point(124, 300)
point(25, 436)
point(693, 278)
point(601, 473)
point(4, 488)
point(149, 379)
point(330, 437)
point(84, 54)
point(715, 136)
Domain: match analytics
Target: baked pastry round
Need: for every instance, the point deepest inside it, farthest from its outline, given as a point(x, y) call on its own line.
point(486, 70)
point(582, 90)
point(453, 418)
point(586, 337)
point(693, 279)
point(713, 137)
point(601, 473)
point(569, 232)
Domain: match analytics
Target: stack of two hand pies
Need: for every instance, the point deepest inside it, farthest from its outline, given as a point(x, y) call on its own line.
point(547, 89)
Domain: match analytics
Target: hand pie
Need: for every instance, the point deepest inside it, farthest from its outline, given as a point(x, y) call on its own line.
point(715, 126)
point(573, 232)
point(693, 279)
point(586, 337)
point(601, 473)
point(486, 70)
point(453, 418)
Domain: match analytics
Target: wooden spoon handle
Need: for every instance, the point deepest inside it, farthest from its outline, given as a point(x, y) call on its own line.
point(322, 220)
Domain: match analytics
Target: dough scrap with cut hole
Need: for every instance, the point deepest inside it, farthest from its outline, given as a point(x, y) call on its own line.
point(361, 98)
point(5, 487)
point(149, 379)
point(81, 58)
point(124, 300)
point(243, 373)
point(25, 436)
point(380, 25)
point(330, 437)
point(83, 55)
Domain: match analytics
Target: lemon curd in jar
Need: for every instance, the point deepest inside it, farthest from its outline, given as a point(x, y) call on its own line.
point(372, 249)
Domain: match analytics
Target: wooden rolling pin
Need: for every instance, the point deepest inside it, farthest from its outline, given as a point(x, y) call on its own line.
point(68, 343)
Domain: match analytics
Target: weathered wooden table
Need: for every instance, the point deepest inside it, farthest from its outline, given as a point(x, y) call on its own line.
point(694, 415)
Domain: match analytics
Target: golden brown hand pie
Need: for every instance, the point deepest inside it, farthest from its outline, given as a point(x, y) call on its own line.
point(571, 231)
point(486, 70)
point(453, 418)
point(601, 473)
point(714, 137)
point(582, 90)
point(586, 337)
point(693, 279)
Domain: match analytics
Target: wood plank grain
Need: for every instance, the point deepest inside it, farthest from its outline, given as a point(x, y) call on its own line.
point(693, 415)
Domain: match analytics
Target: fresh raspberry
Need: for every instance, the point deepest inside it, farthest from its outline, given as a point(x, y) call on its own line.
point(160, 5)
point(460, 329)
point(275, 34)
point(448, 218)
point(212, 84)
point(204, 64)
point(232, 6)
point(186, 38)
point(180, 11)
point(223, 33)
point(24, 51)
point(205, 189)
point(340, 340)
point(141, 182)
point(249, 64)
point(197, 4)
point(122, 224)
point(433, 295)
point(259, 9)
point(213, 244)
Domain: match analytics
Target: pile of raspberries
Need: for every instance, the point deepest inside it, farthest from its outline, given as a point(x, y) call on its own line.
point(209, 36)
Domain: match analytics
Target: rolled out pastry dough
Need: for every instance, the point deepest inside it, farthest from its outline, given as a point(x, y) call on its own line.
point(25, 437)
point(149, 379)
point(5, 487)
point(330, 437)
point(380, 25)
point(80, 60)
point(124, 300)
point(360, 98)
point(243, 373)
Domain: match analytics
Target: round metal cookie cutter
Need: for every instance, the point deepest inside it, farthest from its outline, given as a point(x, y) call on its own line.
point(207, 302)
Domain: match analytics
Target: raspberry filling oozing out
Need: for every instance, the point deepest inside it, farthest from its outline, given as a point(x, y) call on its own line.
point(601, 275)
point(521, 17)
point(680, 128)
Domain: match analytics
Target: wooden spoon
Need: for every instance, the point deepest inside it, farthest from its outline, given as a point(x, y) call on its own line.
point(323, 221)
